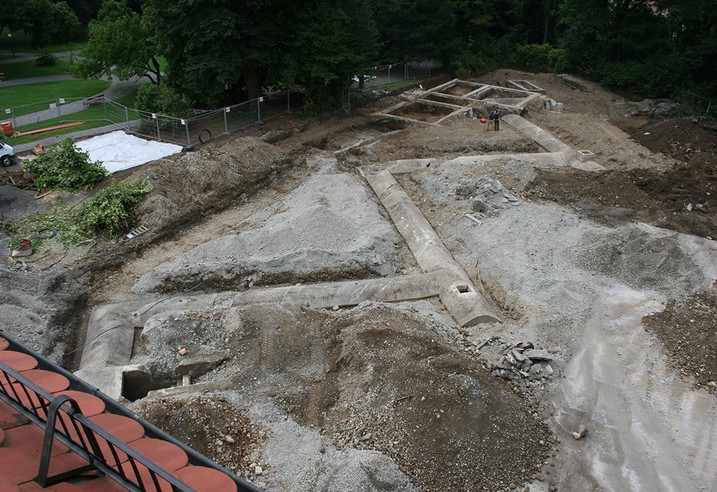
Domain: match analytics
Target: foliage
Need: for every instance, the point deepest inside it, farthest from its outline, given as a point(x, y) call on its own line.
point(46, 21)
point(118, 45)
point(163, 99)
point(64, 167)
point(46, 59)
point(109, 212)
point(350, 32)
point(542, 56)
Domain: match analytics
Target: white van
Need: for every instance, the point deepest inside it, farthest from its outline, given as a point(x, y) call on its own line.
point(7, 155)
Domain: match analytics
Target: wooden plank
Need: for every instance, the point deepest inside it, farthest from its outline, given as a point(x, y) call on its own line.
point(49, 128)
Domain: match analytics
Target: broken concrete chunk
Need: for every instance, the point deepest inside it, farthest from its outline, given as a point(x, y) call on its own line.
point(534, 354)
point(495, 186)
point(518, 355)
point(524, 345)
point(200, 364)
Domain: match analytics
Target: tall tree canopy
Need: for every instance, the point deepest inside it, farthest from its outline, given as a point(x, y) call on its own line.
point(118, 45)
point(45, 21)
point(215, 49)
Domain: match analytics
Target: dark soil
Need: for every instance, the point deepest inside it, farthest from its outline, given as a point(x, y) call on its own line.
point(211, 426)
point(687, 329)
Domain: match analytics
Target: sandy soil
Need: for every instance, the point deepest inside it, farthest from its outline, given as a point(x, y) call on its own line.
point(608, 277)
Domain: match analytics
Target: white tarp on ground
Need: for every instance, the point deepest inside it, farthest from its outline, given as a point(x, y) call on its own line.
point(118, 150)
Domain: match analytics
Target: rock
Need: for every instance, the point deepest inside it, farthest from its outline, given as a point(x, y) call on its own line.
point(534, 354)
point(366, 436)
point(536, 369)
point(517, 355)
point(712, 384)
point(581, 432)
point(229, 439)
point(549, 369)
point(335, 308)
point(495, 186)
point(258, 470)
point(524, 345)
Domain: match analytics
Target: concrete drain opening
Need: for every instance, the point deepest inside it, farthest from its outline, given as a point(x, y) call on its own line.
point(463, 289)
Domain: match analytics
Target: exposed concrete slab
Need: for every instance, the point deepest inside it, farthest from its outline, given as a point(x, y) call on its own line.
point(460, 295)
point(325, 295)
point(405, 166)
point(224, 384)
point(110, 379)
point(549, 159)
point(109, 335)
point(537, 134)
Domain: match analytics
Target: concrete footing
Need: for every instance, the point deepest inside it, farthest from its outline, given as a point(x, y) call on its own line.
point(459, 295)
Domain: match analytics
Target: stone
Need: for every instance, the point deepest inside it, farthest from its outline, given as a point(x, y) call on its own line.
point(200, 364)
point(534, 354)
point(517, 355)
point(524, 345)
point(229, 439)
point(549, 369)
point(581, 432)
point(258, 470)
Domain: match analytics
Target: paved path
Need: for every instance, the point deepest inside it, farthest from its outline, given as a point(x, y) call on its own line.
point(35, 80)
point(117, 90)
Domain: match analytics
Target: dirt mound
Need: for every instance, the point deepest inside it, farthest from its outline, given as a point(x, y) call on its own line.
point(330, 227)
point(212, 426)
point(687, 330)
point(394, 385)
point(198, 183)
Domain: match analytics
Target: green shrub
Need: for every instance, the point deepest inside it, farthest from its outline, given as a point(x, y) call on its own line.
point(64, 167)
point(110, 211)
point(542, 56)
point(161, 99)
point(46, 59)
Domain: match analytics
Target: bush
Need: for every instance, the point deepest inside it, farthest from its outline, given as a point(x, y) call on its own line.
point(162, 99)
point(110, 211)
point(46, 59)
point(542, 56)
point(64, 167)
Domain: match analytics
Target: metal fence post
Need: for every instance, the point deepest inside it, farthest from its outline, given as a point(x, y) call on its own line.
point(126, 115)
point(288, 101)
point(186, 127)
point(104, 103)
point(258, 109)
point(159, 133)
point(226, 124)
point(405, 71)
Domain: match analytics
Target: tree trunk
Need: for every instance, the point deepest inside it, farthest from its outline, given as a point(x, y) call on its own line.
point(252, 81)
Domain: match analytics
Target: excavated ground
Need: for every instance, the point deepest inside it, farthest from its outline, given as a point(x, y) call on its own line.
point(608, 278)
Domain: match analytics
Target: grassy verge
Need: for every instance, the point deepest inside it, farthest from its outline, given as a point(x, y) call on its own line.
point(28, 95)
point(26, 69)
point(92, 116)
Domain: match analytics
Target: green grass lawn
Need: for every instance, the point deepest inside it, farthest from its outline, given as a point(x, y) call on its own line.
point(30, 95)
point(92, 116)
point(28, 69)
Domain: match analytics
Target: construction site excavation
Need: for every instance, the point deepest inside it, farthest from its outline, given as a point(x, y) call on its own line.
point(404, 300)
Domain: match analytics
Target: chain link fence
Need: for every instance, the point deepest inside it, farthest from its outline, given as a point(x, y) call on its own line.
point(203, 126)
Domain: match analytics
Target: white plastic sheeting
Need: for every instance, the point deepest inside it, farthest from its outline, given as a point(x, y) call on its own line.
point(118, 150)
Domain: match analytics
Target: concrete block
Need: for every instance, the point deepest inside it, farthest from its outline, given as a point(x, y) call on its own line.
point(200, 364)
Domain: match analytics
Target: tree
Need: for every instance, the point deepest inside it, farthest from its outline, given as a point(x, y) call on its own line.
point(118, 45)
point(332, 41)
point(46, 22)
point(215, 47)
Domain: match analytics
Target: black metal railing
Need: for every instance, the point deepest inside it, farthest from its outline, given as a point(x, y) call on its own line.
point(63, 421)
